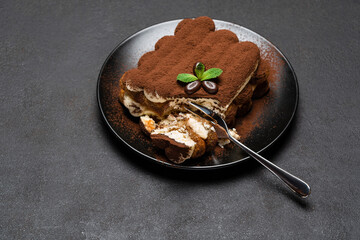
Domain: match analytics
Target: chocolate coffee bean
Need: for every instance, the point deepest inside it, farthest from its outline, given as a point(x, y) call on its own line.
point(192, 87)
point(210, 87)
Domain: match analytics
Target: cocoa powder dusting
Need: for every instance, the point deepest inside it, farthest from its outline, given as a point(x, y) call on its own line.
point(195, 41)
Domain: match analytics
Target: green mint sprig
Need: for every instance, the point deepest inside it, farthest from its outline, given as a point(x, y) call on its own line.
point(201, 74)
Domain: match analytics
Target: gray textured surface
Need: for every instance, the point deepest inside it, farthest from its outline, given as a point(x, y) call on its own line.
point(63, 176)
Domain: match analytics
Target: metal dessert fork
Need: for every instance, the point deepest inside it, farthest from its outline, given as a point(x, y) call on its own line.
point(294, 183)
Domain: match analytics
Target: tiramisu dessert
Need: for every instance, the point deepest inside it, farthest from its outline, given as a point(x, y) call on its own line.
point(199, 64)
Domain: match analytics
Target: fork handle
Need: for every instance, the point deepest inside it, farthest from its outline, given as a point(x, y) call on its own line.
point(295, 184)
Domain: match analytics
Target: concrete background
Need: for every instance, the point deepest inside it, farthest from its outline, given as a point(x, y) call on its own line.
point(64, 176)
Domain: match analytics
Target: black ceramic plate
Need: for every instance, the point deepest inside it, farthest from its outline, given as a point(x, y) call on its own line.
point(269, 118)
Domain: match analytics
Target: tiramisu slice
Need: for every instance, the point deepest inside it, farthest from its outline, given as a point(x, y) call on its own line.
point(151, 91)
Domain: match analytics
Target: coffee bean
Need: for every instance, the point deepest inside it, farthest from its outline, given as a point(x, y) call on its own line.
point(210, 87)
point(192, 87)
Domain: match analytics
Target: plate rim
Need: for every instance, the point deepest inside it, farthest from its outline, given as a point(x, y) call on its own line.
point(179, 166)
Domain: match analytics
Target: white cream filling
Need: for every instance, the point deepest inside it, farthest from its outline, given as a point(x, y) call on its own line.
point(178, 136)
point(199, 127)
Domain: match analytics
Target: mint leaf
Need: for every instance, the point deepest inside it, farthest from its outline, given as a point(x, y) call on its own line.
point(211, 73)
point(186, 77)
point(199, 69)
